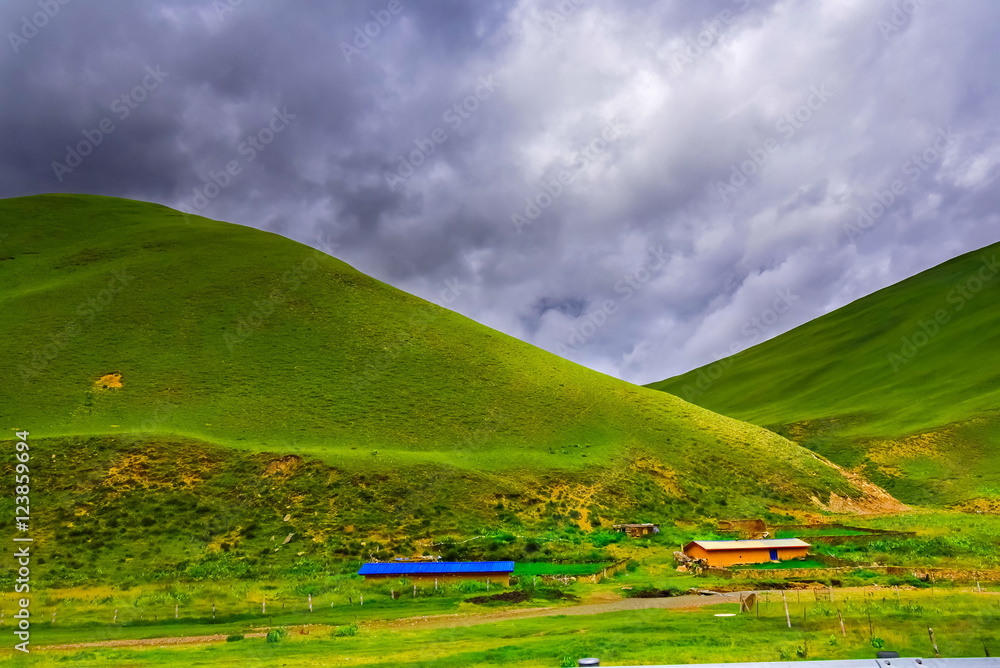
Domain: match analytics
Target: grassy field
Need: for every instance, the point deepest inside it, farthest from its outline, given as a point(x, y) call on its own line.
point(167, 365)
point(943, 539)
point(225, 424)
point(541, 568)
point(902, 383)
point(240, 606)
point(964, 625)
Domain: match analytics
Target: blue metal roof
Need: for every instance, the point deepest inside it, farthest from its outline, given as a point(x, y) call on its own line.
point(438, 567)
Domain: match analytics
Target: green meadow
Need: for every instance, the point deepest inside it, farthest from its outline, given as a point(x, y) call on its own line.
point(224, 424)
point(175, 362)
point(964, 623)
point(902, 384)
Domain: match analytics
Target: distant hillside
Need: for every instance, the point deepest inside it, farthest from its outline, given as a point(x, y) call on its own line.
point(903, 384)
point(131, 330)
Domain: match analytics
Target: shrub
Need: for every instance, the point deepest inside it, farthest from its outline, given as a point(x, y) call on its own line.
point(276, 635)
point(236, 637)
point(652, 592)
point(348, 630)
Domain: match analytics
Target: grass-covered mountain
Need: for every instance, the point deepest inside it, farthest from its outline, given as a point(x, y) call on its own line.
point(903, 385)
point(187, 377)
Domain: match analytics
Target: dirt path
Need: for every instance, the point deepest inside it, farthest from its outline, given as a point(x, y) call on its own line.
point(139, 642)
point(442, 621)
point(447, 621)
point(688, 602)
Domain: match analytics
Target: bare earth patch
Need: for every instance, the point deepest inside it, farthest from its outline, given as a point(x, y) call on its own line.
point(109, 381)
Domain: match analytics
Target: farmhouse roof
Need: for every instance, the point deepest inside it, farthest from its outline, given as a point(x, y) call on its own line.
point(438, 567)
point(749, 544)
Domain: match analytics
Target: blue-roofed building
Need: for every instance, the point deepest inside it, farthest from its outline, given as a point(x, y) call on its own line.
point(442, 571)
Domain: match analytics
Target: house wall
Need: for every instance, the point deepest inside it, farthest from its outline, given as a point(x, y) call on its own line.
point(743, 556)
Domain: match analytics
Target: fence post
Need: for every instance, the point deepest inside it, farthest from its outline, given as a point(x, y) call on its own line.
point(937, 653)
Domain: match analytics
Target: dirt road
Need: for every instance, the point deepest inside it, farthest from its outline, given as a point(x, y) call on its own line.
point(442, 621)
point(150, 642)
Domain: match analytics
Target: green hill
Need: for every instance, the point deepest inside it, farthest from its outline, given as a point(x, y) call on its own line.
point(902, 385)
point(173, 369)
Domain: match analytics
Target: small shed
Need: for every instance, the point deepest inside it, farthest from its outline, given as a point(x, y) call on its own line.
point(637, 530)
point(732, 552)
point(441, 571)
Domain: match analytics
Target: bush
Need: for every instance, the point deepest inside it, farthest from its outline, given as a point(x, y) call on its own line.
point(652, 592)
point(348, 630)
point(276, 635)
point(236, 637)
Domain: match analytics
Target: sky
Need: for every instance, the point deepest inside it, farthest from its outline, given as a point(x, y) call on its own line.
point(641, 187)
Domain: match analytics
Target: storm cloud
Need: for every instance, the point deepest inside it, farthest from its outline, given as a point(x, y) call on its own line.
point(640, 187)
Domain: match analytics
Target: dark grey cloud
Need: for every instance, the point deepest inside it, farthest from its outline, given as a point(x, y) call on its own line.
point(634, 187)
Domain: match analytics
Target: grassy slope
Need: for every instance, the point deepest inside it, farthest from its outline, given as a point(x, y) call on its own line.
point(410, 420)
point(922, 419)
point(343, 361)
